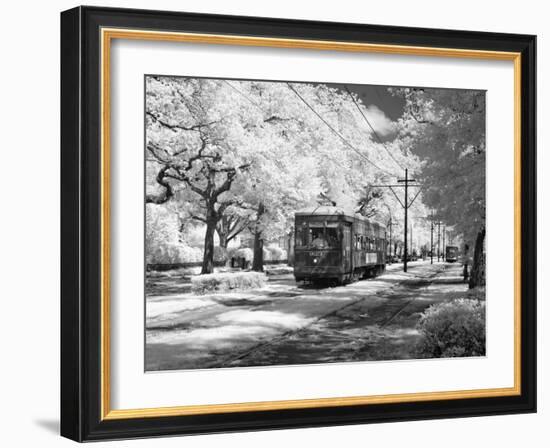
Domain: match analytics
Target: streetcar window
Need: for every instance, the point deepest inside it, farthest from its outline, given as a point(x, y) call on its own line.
point(316, 234)
point(300, 235)
point(322, 236)
point(331, 234)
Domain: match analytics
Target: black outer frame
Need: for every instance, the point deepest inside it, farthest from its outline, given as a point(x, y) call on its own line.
point(81, 207)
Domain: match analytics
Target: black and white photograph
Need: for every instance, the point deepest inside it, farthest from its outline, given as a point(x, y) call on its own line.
point(292, 223)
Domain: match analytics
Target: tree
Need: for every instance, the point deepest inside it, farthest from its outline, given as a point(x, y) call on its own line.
point(446, 129)
point(197, 141)
point(284, 175)
point(369, 201)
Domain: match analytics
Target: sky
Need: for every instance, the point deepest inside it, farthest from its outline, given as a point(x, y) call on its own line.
point(378, 96)
point(383, 108)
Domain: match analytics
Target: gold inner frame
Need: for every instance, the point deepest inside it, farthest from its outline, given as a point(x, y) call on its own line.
point(107, 35)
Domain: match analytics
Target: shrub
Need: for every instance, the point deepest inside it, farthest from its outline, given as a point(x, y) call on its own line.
point(245, 252)
point(477, 293)
point(189, 254)
point(453, 329)
point(165, 254)
point(202, 284)
point(279, 269)
point(220, 254)
point(275, 253)
point(232, 252)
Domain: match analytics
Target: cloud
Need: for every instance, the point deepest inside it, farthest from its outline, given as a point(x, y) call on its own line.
point(380, 121)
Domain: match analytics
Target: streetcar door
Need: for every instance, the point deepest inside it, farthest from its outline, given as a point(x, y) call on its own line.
point(346, 247)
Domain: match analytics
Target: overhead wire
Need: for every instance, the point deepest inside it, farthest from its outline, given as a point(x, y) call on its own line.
point(263, 112)
point(373, 130)
point(335, 132)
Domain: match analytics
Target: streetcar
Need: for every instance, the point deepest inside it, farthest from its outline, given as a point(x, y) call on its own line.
point(332, 245)
point(451, 254)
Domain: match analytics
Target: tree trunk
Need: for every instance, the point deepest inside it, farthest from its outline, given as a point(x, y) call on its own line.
point(477, 276)
point(228, 228)
point(208, 258)
point(223, 239)
point(258, 261)
point(290, 249)
point(222, 229)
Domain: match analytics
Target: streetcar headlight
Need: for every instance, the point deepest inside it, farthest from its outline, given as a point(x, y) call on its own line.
point(315, 261)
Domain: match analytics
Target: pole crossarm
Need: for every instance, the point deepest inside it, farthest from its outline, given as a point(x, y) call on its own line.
point(416, 195)
point(396, 197)
point(395, 185)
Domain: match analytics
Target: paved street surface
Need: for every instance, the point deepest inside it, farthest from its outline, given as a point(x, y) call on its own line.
point(285, 323)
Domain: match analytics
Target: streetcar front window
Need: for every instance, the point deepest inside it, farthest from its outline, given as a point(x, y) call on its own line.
point(323, 236)
point(300, 236)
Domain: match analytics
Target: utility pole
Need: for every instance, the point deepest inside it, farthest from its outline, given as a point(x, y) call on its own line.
point(412, 240)
point(406, 181)
point(405, 204)
point(438, 240)
point(406, 216)
point(432, 243)
point(390, 223)
point(444, 230)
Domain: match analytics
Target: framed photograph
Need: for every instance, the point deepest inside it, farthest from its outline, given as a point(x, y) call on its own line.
point(272, 223)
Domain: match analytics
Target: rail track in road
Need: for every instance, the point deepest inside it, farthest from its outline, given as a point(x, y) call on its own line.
point(397, 299)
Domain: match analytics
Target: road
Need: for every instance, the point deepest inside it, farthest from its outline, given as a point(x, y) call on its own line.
point(285, 323)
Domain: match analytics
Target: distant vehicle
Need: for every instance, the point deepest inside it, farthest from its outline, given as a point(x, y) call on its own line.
point(451, 254)
point(331, 244)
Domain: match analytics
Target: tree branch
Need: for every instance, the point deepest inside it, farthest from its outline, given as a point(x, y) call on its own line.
point(179, 126)
point(236, 229)
point(167, 193)
point(198, 218)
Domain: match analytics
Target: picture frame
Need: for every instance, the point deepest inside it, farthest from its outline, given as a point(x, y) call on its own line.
point(86, 210)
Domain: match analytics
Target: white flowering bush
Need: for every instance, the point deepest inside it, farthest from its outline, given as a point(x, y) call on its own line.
point(452, 329)
point(244, 252)
point(220, 254)
point(188, 254)
point(275, 253)
point(162, 242)
point(222, 282)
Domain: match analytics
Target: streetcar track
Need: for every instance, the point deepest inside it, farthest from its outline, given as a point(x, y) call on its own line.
point(393, 316)
point(262, 345)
